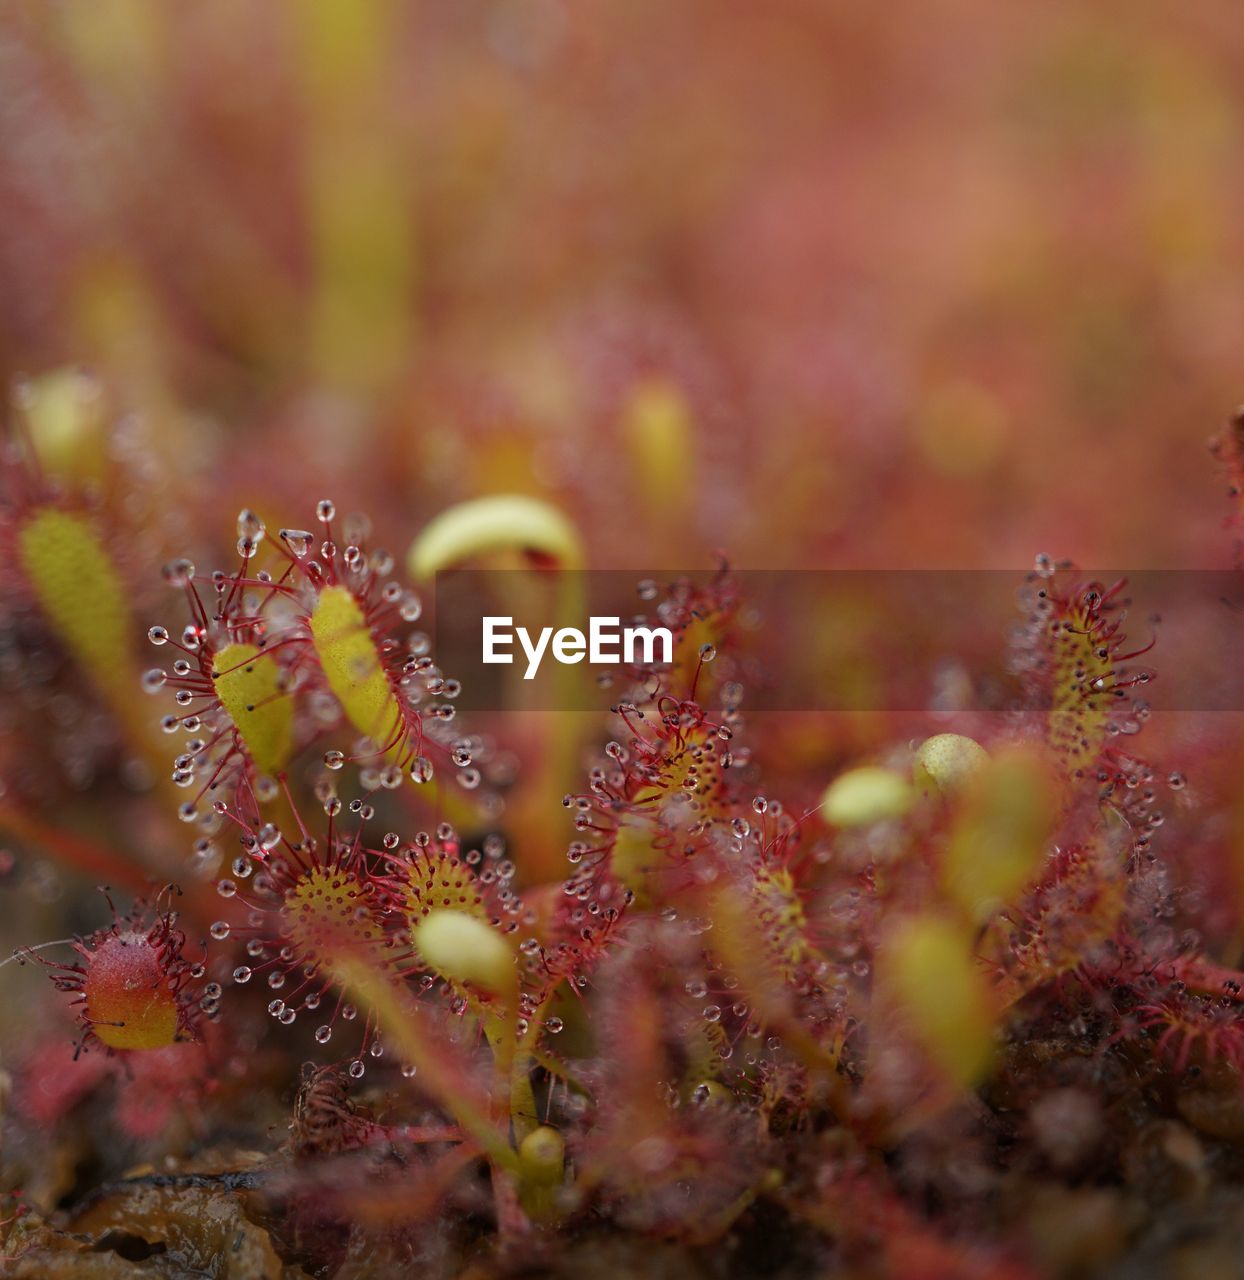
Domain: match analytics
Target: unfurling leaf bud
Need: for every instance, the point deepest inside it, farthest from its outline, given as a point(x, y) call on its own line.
point(947, 762)
point(463, 948)
point(867, 795)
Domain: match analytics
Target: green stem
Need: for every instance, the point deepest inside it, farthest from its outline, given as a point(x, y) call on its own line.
point(401, 1019)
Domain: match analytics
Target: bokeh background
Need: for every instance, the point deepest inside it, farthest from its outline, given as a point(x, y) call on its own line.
point(817, 283)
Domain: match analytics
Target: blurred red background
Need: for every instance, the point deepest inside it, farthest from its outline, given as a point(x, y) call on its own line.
point(816, 283)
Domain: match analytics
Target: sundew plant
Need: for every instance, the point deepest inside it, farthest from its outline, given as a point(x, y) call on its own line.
point(882, 915)
point(835, 1024)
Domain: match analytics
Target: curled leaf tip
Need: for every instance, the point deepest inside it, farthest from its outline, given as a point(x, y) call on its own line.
point(947, 761)
point(484, 526)
point(463, 948)
point(866, 795)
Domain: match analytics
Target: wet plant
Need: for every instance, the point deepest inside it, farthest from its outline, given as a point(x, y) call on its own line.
point(756, 999)
point(132, 985)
